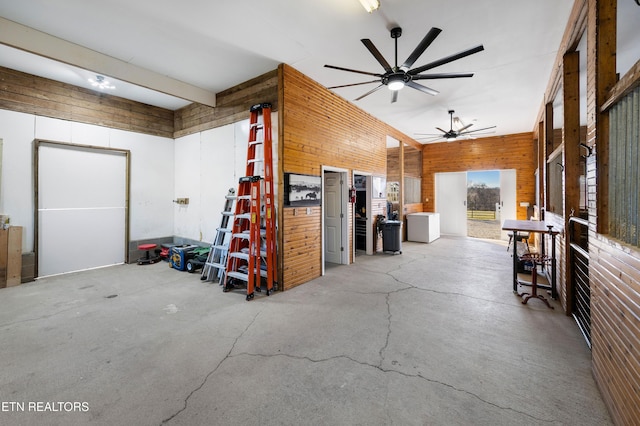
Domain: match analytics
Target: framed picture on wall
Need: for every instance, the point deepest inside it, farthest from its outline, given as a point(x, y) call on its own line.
point(302, 190)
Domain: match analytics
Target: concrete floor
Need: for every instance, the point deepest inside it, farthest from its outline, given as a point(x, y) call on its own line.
point(433, 336)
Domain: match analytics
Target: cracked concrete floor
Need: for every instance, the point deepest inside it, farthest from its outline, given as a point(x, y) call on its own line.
point(434, 336)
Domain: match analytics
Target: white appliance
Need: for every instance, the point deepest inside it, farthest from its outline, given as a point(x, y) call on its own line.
point(423, 227)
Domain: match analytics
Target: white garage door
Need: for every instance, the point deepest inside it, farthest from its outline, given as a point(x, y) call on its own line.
point(82, 207)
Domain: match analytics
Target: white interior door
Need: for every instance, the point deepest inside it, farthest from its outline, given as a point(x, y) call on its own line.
point(507, 198)
point(332, 217)
point(81, 208)
point(451, 202)
point(369, 221)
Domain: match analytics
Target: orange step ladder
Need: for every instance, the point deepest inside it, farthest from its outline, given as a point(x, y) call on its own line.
point(252, 249)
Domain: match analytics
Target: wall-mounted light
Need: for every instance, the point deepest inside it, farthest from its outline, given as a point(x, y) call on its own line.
point(101, 83)
point(370, 5)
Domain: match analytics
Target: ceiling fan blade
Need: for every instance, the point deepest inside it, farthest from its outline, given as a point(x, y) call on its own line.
point(350, 70)
point(376, 53)
point(369, 92)
point(475, 135)
point(422, 88)
point(419, 50)
point(444, 75)
point(463, 128)
point(354, 84)
point(427, 134)
point(430, 139)
point(443, 131)
point(446, 60)
point(477, 130)
point(394, 96)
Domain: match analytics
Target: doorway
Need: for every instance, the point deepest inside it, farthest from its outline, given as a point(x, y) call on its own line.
point(363, 215)
point(334, 217)
point(484, 204)
point(475, 203)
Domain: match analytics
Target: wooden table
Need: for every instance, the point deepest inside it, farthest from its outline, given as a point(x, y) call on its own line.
point(532, 226)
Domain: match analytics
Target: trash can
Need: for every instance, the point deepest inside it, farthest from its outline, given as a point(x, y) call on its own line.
point(391, 236)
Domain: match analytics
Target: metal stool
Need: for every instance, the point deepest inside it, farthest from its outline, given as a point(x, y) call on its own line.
point(147, 259)
point(536, 259)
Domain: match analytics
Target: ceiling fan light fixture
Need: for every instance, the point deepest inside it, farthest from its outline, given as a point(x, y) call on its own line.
point(396, 85)
point(395, 82)
point(370, 5)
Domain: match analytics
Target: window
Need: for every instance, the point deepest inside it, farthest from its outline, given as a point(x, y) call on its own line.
point(555, 169)
point(412, 190)
point(624, 162)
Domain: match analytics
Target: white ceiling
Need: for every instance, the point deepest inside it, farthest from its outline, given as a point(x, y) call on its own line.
point(215, 44)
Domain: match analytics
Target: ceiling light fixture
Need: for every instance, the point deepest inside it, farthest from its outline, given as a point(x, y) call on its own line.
point(370, 5)
point(395, 82)
point(101, 83)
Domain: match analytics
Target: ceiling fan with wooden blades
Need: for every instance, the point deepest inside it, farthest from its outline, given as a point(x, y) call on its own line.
point(451, 134)
point(396, 77)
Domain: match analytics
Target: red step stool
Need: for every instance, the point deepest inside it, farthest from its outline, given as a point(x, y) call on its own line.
point(147, 259)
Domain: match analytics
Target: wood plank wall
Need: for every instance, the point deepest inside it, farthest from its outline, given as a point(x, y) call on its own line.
point(412, 163)
point(493, 153)
point(412, 168)
point(614, 267)
point(30, 94)
point(232, 105)
point(321, 128)
point(615, 326)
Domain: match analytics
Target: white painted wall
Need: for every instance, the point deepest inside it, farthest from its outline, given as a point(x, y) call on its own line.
point(207, 164)
point(152, 166)
point(187, 184)
point(152, 185)
point(201, 166)
point(220, 171)
point(16, 193)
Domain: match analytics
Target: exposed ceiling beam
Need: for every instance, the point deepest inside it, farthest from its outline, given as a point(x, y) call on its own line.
point(42, 44)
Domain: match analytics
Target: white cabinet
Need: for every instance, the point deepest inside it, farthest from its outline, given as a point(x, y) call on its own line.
point(423, 227)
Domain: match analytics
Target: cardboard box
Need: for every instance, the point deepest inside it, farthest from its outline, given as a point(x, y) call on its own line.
point(10, 256)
